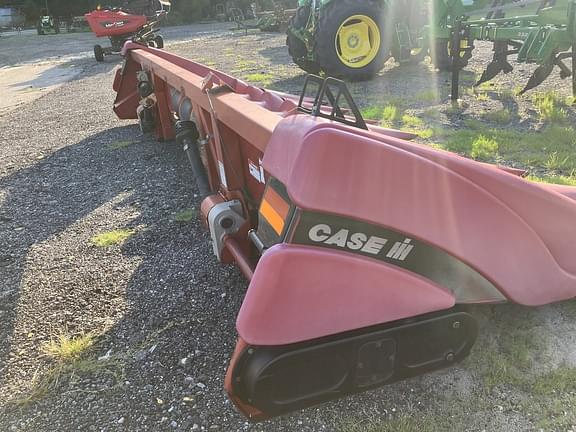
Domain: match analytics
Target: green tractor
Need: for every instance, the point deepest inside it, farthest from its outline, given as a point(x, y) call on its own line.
point(354, 38)
point(47, 23)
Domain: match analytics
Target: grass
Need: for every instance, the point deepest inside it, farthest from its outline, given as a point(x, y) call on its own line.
point(427, 96)
point(416, 423)
point(553, 399)
point(553, 148)
point(65, 348)
point(484, 148)
point(185, 216)
point(506, 362)
point(560, 380)
point(118, 145)
point(555, 179)
point(501, 117)
point(551, 107)
point(71, 360)
point(261, 79)
point(393, 115)
point(112, 238)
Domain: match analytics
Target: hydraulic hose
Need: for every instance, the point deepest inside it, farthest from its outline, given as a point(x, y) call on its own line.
point(187, 136)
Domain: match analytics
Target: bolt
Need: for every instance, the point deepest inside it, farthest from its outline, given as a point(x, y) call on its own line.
point(250, 351)
point(456, 325)
point(227, 223)
point(450, 357)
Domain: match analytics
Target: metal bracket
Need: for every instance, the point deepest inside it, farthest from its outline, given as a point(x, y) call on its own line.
point(325, 92)
point(224, 219)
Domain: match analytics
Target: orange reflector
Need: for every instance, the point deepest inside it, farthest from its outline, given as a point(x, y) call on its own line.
point(274, 209)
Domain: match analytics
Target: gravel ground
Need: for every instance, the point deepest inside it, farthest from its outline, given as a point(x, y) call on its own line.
point(162, 306)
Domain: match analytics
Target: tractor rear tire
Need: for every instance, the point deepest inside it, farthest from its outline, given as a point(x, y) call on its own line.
point(442, 59)
point(341, 35)
point(159, 41)
point(98, 53)
point(296, 47)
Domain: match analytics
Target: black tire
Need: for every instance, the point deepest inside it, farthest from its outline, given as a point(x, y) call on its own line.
point(159, 41)
point(331, 19)
point(442, 59)
point(98, 53)
point(296, 47)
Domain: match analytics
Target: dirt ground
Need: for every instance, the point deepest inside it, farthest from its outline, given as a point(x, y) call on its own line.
point(161, 307)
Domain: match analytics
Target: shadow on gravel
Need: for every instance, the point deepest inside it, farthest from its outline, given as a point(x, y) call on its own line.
point(165, 303)
point(41, 201)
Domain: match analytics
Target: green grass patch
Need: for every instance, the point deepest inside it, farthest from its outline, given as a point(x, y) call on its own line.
point(112, 238)
point(416, 423)
point(185, 216)
point(484, 148)
point(243, 65)
point(507, 360)
point(551, 107)
point(118, 145)
point(71, 360)
point(552, 399)
point(65, 348)
point(501, 117)
point(553, 148)
point(561, 380)
point(261, 79)
point(387, 114)
point(372, 112)
point(555, 179)
point(391, 114)
point(410, 121)
point(427, 96)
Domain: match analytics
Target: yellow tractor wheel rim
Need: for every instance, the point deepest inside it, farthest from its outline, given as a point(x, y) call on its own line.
point(358, 41)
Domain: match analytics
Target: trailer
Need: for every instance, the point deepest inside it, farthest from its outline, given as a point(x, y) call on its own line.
point(362, 249)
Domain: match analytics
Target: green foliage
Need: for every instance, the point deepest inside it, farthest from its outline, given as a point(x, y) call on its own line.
point(555, 179)
point(65, 348)
point(185, 215)
point(391, 113)
point(553, 399)
point(416, 423)
point(260, 79)
point(501, 117)
point(553, 148)
point(484, 148)
point(551, 107)
point(561, 380)
point(118, 145)
point(112, 238)
point(506, 358)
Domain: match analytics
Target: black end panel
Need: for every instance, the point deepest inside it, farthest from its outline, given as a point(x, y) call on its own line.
point(277, 380)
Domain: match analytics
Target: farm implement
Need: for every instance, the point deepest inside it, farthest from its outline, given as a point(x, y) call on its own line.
point(121, 25)
point(361, 248)
point(353, 39)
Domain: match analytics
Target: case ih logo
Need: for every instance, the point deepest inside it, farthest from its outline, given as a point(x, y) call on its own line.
point(114, 24)
point(360, 242)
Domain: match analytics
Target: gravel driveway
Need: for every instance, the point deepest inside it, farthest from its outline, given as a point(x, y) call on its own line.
point(162, 307)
